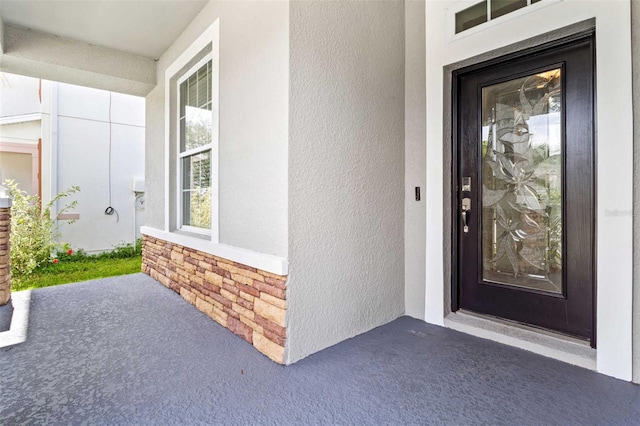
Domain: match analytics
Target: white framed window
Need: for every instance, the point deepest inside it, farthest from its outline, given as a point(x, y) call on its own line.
point(194, 150)
point(191, 138)
point(468, 17)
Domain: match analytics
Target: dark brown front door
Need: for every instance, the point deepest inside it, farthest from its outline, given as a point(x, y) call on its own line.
point(524, 202)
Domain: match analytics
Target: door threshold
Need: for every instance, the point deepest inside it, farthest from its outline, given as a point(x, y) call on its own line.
point(543, 342)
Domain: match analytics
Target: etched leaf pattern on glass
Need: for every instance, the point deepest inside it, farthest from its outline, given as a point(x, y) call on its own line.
point(521, 182)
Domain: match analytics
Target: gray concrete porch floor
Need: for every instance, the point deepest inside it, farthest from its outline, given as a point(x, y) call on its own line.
point(126, 350)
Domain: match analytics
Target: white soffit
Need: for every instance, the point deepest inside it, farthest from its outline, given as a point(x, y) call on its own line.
point(141, 27)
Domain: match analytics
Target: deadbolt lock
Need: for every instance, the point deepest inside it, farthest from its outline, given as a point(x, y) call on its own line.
point(466, 184)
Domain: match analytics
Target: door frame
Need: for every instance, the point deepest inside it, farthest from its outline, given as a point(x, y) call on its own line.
point(454, 202)
point(615, 166)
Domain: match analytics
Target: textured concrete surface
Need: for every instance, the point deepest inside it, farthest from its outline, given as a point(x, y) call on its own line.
point(126, 350)
point(6, 311)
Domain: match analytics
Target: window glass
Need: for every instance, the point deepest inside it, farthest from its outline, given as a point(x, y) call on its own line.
point(196, 190)
point(487, 10)
point(194, 154)
point(502, 7)
point(471, 17)
point(522, 182)
point(195, 109)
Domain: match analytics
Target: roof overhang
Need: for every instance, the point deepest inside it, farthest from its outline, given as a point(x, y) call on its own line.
point(106, 44)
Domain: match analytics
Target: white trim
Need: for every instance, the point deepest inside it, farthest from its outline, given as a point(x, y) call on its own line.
point(23, 118)
point(53, 149)
point(541, 342)
point(266, 262)
point(193, 229)
point(464, 4)
point(20, 148)
point(167, 151)
point(614, 153)
point(211, 36)
point(215, 133)
point(194, 151)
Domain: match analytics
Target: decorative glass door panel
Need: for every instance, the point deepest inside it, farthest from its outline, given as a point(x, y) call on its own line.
point(521, 171)
point(523, 202)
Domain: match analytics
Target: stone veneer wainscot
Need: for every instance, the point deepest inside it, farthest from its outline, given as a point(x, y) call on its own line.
point(249, 302)
point(5, 262)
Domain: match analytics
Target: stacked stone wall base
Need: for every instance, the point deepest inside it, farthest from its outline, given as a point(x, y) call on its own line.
point(5, 262)
point(249, 302)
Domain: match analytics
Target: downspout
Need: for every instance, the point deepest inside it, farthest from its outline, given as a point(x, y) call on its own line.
point(135, 220)
point(53, 150)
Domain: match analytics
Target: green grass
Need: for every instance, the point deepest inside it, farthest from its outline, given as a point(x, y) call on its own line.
point(85, 269)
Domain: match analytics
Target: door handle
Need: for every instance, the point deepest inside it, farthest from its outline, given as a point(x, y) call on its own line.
point(466, 206)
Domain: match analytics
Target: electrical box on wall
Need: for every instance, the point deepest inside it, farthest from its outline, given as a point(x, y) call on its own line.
point(138, 184)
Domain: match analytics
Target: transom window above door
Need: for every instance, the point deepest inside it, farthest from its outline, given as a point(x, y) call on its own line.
point(487, 10)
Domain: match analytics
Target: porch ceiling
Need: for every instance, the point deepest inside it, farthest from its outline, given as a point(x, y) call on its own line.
point(105, 44)
point(145, 28)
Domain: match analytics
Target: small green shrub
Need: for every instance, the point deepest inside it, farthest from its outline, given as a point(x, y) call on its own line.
point(122, 251)
point(33, 230)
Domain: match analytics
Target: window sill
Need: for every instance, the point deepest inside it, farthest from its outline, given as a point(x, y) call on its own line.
point(188, 233)
point(266, 262)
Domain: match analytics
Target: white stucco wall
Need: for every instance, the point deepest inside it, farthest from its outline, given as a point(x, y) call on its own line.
point(83, 152)
point(26, 132)
point(73, 122)
point(346, 163)
point(17, 167)
point(20, 117)
point(253, 117)
point(614, 152)
point(154, 158)
point(18, 95)
point(635, 43)
point(415, 158)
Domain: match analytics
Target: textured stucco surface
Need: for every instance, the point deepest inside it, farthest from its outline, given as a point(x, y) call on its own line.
point(346, 171)
point(154, 158)
point(54, 58)
point(415, 158)
point(126, 350)
point(635, 45)
point(253, 114)
point(1, 36)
